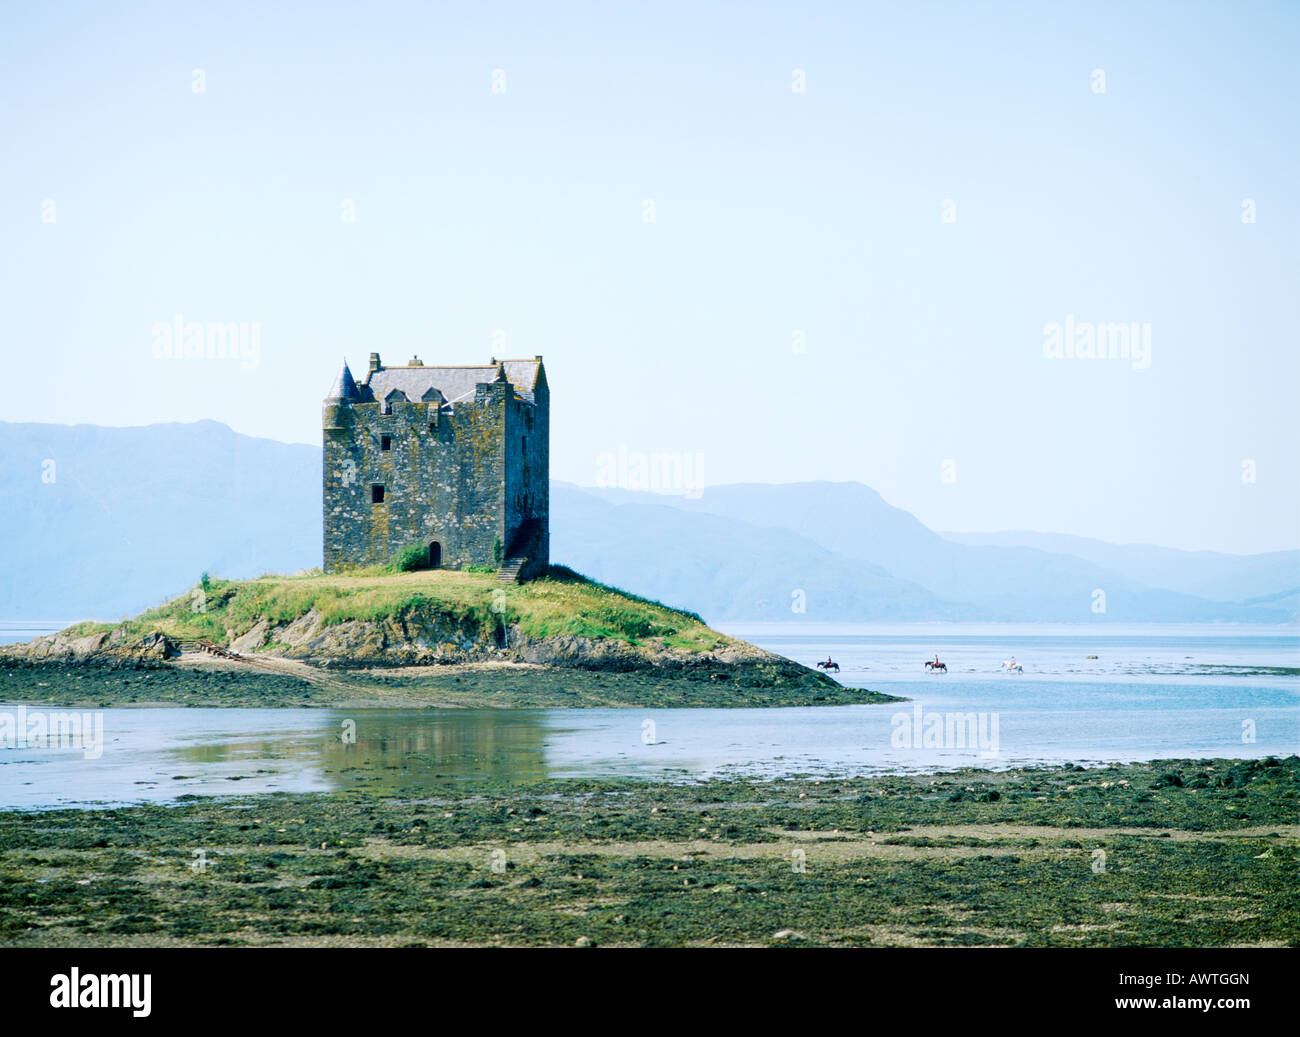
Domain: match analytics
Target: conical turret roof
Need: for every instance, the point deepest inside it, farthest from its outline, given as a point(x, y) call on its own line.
point(345, 387)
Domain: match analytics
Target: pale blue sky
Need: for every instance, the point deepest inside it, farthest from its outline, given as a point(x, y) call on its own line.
point(775, 211)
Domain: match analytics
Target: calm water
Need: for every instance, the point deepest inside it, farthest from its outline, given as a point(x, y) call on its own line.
point(12, 630)
point(1152, 692)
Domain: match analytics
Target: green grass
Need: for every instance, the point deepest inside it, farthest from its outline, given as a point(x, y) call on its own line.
point(563, 603)
point(411, 558)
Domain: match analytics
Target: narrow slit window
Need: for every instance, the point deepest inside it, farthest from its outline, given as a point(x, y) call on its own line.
point(376, 494)
point(385, 442)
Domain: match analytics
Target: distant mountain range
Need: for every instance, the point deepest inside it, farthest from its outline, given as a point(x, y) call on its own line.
point(101, 522)
point(1206, 574)
point(135, 515)
point(1004, 577)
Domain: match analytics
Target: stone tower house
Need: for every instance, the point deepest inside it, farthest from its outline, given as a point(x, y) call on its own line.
point(454, 459)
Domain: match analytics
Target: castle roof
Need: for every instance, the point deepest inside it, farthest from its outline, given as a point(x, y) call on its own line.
point(344, 387)
point(455, 383)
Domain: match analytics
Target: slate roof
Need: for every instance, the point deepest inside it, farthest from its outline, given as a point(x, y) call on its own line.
point(455, 383)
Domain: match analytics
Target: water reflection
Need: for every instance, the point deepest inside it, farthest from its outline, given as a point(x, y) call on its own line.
point(394, 750)
point(387, 749)
point(156, 755)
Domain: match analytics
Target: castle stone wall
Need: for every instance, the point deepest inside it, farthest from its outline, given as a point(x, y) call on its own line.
point(443, 478)
point(466, 479)
point(528, 476)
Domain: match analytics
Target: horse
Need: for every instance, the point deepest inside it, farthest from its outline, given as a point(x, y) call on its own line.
point(930, 664)
point(828, 665)
point(1011, 666)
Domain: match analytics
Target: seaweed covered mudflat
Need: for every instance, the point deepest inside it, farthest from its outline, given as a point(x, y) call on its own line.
point(1173, 853)
point(205, 682)
point(86, 685)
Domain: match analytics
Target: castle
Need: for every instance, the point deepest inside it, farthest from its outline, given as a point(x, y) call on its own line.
point(453, 459)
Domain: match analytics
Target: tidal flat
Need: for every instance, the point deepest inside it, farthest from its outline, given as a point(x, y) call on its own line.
point(204, 681)
point(1199, 853)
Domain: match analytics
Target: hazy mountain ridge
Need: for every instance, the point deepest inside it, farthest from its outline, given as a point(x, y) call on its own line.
point(726, 569)
point(1208, 574)
point(135, 515)
point(126, 517)
point(1008, 581)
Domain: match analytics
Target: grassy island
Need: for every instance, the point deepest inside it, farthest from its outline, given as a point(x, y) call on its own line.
point(381, 637)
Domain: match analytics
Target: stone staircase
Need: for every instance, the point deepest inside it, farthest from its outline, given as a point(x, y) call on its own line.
point(519, 554)
point(509, 571)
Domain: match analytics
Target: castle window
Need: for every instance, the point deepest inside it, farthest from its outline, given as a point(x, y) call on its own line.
point(385, 442)
point(376, 494)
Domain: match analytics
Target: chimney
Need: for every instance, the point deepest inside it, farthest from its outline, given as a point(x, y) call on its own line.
point(375, 365)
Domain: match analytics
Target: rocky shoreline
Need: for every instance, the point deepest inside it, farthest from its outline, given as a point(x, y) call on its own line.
point(395, 663)
point(400, 643)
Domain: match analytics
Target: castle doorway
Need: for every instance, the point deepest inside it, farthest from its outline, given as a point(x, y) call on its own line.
point(435, 555)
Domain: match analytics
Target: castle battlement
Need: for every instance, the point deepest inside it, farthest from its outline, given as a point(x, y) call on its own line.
point(455, 459)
